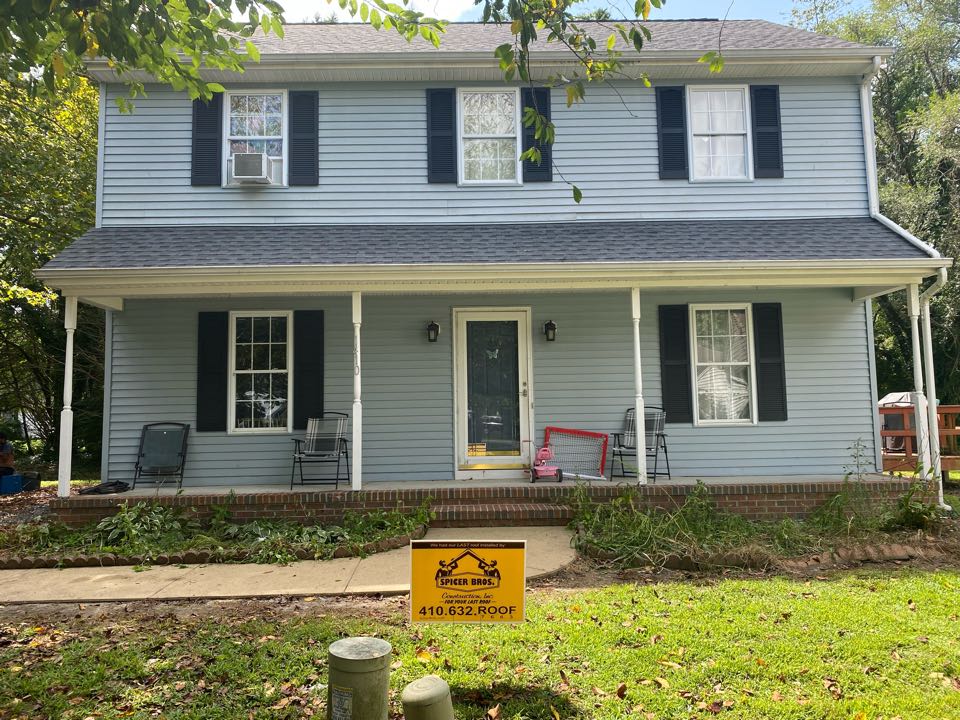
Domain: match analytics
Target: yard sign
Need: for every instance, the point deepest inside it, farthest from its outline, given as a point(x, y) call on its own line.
point(467, 581)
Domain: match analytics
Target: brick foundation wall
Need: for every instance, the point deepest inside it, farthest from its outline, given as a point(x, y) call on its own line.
point(521, 504)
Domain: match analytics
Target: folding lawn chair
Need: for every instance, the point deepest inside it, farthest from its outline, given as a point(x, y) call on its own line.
point(325, 442)
point(162, 453)
point(655, 440)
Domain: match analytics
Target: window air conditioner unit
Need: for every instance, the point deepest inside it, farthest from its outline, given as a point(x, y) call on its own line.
point(253, 168)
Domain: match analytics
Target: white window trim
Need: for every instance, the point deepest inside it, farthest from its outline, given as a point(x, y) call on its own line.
point(232, 382)
point(748, 123)
point(693, 308)
point(225, 136)
point(460, 145)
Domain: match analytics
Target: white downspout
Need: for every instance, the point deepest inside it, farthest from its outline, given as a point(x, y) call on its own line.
point(357, 459)
point(933, 419)
point(870, 157)
point(638, 404)
point(66, 415)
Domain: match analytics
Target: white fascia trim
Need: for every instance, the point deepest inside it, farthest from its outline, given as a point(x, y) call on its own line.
point(870, 157)
point(101, 70)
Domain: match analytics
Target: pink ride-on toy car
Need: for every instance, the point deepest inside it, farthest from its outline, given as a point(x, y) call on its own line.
point(542, 469)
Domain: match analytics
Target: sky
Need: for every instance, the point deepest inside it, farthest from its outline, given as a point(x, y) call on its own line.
point(774, 10)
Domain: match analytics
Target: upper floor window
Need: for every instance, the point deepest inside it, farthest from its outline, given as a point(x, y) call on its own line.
point(719, 133)
point(489, 136)
point(256, 122)
point(723, 363)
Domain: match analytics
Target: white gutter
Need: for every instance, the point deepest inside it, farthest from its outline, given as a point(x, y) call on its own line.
point(870, 155)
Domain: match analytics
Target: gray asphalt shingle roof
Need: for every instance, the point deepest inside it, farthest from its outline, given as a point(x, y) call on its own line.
point(860, 238)
point(668, 35)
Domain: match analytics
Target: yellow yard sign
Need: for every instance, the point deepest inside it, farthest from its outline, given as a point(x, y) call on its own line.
point(467, 581)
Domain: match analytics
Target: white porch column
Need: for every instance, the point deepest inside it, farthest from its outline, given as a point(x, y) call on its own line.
point(357, 459)
point(66, 415)
point(921, 418)
point(638, 389)
point(933, 420)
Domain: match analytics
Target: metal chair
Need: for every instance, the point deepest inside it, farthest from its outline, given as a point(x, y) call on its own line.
point(162, 452)
point(625, 442)
point(324, 442)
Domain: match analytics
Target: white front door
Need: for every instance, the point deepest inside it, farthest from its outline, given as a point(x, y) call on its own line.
point(493, 392)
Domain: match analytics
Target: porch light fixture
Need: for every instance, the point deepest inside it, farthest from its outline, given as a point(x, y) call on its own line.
point(550, 330)
point(433, 331)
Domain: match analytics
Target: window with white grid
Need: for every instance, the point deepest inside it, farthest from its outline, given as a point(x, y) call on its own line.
point(719, 137)
point(723, 363)
point(255, 123)
point(260, 377)
point(489, 136)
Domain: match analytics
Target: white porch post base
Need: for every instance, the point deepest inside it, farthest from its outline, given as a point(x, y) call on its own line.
point(356, 470)
point(66, 415)
point(638, 404)
point(66, 453)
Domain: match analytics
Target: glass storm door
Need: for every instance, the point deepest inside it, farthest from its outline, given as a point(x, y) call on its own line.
point(493, 392)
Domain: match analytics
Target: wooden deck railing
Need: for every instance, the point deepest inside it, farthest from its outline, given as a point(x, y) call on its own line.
point(900, 446)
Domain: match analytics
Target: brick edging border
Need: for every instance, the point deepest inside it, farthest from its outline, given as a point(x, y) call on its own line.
point(196, 557)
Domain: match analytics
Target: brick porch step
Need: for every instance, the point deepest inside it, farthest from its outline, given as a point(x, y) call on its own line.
point(516, 513)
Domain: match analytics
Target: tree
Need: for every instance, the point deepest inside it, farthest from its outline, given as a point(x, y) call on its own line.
point(917, 114)
point(48, 150)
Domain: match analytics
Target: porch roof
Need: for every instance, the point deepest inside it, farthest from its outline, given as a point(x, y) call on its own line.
point(428, 244)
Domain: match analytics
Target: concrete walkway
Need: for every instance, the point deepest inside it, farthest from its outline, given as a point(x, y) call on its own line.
point(548, 550)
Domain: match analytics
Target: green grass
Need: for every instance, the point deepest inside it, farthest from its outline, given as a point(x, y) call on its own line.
point(864, 645)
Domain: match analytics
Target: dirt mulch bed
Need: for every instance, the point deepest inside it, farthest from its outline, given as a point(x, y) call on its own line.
point(25, 507)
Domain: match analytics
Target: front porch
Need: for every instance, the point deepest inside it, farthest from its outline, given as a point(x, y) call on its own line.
point(466, 503)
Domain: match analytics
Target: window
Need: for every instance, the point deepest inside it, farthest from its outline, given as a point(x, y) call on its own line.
point(723, 363)
point(489, 136)
point(719, 140)
point(256, 123)
point(260, 377)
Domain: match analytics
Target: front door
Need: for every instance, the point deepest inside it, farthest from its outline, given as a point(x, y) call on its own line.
point(492, 392)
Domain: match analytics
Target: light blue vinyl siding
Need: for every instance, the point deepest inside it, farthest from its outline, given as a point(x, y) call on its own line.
point(373, 164)
point(584, 379)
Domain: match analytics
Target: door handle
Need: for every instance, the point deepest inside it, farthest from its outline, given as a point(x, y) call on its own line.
point(523, 390)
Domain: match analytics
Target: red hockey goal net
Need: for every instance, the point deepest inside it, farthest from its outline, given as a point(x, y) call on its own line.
point(579, 453)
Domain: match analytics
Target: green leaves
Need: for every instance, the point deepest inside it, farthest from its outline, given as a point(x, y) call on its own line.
point(715, 60)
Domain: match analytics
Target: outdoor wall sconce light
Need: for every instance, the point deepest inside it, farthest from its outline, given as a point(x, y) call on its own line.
point(433, 331)
point(550, 330)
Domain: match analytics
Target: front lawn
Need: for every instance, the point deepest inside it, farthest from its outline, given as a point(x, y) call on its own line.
point(856, 646)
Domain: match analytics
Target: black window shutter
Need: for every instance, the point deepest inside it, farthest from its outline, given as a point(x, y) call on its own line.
point(767, 136)
point(212, 371)
point(442, 135)
point(675, 363)
point(307, 366)
point(207, 146)
point(538, 98)
point(304, 147)
point(768, 351)
point(672, 132)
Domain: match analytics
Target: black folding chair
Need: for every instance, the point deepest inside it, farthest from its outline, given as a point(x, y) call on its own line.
point(655, 440)
point(162, 453)
point(325, 442)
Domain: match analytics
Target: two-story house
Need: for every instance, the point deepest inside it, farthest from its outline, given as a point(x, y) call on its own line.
point(349, 228)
